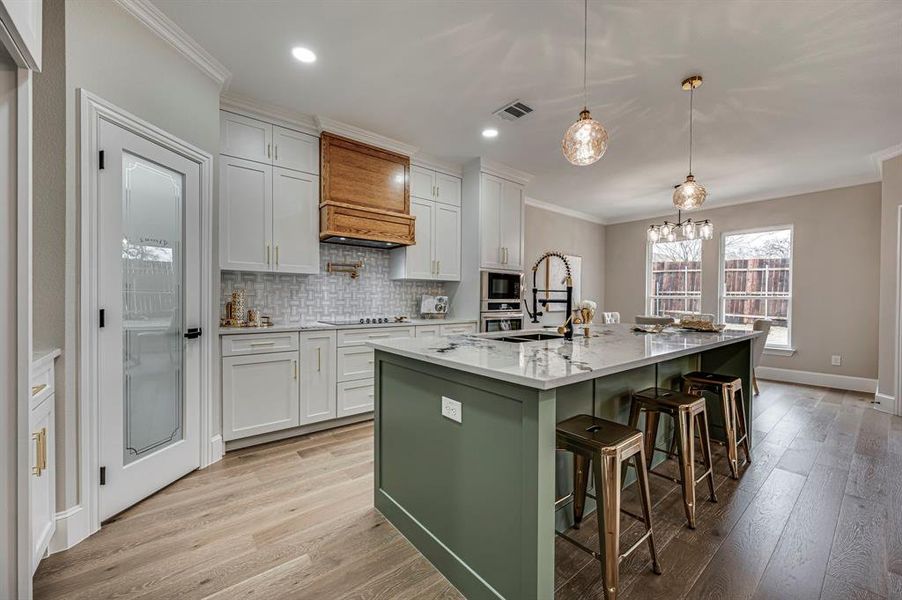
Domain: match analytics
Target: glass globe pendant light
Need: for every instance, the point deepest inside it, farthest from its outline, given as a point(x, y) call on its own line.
point(586, 140)
point(690, 194)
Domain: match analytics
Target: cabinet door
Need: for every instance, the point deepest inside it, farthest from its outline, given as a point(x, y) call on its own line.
point(355, 397)
point(447, 189)
point(512, 226)
point(419, 256)
point(259, 394)
point(295, 222)
point(317, 395)
point(42, 484)
point(490, 222)
point(245, 214)
point(243, 137)
point(447, 242)
point(422, 183)
point(295, 150)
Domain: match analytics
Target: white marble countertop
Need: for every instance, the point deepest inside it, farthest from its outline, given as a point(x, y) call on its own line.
point(316, 326)
point(555, 363)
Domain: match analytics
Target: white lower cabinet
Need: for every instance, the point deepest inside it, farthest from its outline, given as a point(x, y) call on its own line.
point(259, 394)
point(355, 397)
point(317, 394)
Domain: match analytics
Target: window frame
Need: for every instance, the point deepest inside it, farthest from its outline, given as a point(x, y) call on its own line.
point(649, 275)
point(788, 348)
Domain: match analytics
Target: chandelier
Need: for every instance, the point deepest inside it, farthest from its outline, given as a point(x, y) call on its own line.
point(586, 140)
point(690, 194)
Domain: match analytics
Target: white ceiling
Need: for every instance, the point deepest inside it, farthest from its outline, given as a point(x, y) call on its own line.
point(797, 95)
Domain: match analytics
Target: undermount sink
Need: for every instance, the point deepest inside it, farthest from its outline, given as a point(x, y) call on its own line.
point(531, 337)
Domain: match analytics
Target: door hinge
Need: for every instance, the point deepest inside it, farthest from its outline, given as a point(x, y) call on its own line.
point(102, 317)
point(100, 161)
point(102, 475)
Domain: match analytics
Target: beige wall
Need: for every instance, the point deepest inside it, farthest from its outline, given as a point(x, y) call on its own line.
point(836, 277)
point(111, 54)
point(891, 200)
point(547, 230)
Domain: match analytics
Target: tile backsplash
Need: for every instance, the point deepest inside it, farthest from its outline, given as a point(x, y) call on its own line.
point(292, 298)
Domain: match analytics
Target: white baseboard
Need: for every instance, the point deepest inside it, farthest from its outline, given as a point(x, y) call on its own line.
point(840, 382)
point(72, 526)
point(217, 448)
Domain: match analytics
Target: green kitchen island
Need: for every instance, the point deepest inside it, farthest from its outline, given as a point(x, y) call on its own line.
point(474, 491)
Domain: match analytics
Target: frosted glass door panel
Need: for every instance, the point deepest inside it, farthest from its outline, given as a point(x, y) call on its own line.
point(152, 303)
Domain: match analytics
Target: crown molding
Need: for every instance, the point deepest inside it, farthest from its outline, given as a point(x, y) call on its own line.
point(155, 20)
point(569, 212)
point(362, 135)
point(436, 164)
point(787, 193)
point(886, 154)
point(499, 170)
point(279, 115)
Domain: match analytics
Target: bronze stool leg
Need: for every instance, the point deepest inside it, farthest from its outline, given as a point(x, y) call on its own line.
point(580, 487)
point(645, 496)
point(740, 412)
point(729, 425)
point(607, 479)
point(705, 438)
point(686, 455)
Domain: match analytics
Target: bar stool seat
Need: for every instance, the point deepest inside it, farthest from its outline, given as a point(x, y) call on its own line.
point(729, 389)
point(688, 412)
point(605, 444)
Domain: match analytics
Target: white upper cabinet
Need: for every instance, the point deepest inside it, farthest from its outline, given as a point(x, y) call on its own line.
point(500, 224)
point(268, 197)
point(435, 202)
point(295, 221)
point(422, 183)
point(244, 137)
point(446, 242)
point(245, 211)
point(318, 371)
point(295, 150)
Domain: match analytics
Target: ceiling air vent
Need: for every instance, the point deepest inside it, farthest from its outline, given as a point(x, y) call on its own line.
point(513, 111)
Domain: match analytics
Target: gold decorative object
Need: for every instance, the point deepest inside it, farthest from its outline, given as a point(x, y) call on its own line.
point(586, 140)
point(353, 269)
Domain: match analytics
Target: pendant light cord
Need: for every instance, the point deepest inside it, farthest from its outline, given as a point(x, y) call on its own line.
point(691, 96)
point(586, 55)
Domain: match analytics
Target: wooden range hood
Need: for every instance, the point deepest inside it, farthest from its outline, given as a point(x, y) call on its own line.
point(365, 198)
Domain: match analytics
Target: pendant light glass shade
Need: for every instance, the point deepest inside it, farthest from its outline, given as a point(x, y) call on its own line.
point(689, 194)
point(585, 141)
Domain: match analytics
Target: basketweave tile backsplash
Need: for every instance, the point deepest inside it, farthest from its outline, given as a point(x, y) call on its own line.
point(292, 298)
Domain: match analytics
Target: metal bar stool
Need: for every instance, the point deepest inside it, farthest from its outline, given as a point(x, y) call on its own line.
point(605, 444)
point(688, 412)
point(729, 389)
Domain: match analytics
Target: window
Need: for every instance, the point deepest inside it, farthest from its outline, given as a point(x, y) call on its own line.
point(757, 282)
point(675, 278)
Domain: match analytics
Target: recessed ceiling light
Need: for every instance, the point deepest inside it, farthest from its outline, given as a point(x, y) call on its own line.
point(305, 55)
point(490, 132)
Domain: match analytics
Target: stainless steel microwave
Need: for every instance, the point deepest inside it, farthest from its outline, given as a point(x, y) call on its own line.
point(500, 291)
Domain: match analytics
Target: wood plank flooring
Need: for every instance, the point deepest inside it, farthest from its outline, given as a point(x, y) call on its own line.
point(818, 514)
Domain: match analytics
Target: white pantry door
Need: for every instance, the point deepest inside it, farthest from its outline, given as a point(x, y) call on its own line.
point(149, 292)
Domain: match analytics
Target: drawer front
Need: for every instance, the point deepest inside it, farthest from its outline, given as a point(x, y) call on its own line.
point(428, 330)
point(355, 362)
point(359, 337)
point(259, 343)
point(458, 329)
point(355, 397)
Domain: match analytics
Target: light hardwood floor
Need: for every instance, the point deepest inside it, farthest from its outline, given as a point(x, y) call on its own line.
point(818, 514)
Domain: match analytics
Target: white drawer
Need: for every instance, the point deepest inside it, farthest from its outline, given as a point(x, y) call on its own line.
point(355, 397)
point(259, 343)
point(355, 362)
point(428, 330)
point(458, 329)
point(359, 337)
